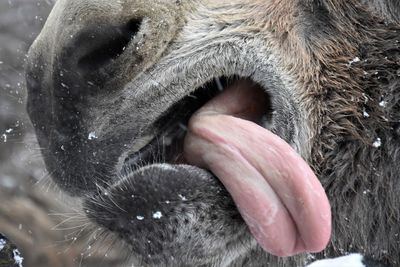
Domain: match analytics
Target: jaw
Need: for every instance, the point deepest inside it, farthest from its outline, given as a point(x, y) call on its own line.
point(172, 215)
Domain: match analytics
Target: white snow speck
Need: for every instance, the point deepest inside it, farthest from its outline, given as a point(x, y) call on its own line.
point(62, 148)
point(310, 257)
point(92, 135)
point(219, 84)
point(182, 197)
point(64, 85)
point(2, 244)
point(365, 192)
point(167, 167)
point(183, 127)
point(140, 218)
point(8, 182)
point(167, 140)
point(352, 260)
point(9, 130)
point(354, 60)
point(4, 136)
point(365, 98)
point(17, 257)
point(157, 215)
point(366, 115)
point(383, 103)
point(377, 143)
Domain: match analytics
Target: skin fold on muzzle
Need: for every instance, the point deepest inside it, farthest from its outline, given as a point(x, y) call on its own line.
point(224, 133)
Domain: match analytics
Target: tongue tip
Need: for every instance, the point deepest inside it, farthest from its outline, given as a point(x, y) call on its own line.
point(319, 243)
point(298, 249)
point(286, 244)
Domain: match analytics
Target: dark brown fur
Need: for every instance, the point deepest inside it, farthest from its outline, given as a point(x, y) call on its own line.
point(362, 181)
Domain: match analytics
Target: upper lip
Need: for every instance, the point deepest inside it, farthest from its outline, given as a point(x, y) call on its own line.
point(167, 145)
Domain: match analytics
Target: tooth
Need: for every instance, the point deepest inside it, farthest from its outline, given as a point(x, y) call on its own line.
point(219, 84)
point(183, 126)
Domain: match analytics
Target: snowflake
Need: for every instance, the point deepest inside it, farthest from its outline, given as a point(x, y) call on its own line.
point(377, 143)
point(157, 215)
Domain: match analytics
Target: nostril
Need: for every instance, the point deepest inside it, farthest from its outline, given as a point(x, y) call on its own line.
point(109, 44)
point(134, 25)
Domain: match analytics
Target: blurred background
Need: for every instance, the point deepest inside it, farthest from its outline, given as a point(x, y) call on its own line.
point(47, 227)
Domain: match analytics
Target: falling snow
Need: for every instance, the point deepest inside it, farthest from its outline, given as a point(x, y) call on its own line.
point(17, 257)
point(182, 197)
point(64, 85)
point(383, 103)
point(354, 60)
point(92, 135)
point(21, 166)
point(140, 218)
point(2, 244)
point(365, 192)
point(377, 143)
point(219, 84)
point(157, 215)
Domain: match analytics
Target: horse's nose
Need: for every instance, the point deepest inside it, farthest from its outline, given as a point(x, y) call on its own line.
point(88, 45)
point(90, 42)
point(99, 45)
point(95, 52)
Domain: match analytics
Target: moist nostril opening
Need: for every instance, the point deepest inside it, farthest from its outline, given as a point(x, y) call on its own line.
point(134, 25)
point(112, 44)
point(103, 55)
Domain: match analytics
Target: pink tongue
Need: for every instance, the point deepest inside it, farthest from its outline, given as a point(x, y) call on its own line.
point(278, 195)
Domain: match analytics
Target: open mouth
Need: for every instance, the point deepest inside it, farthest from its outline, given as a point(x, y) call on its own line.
point(168, 145)
point(222, 129)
